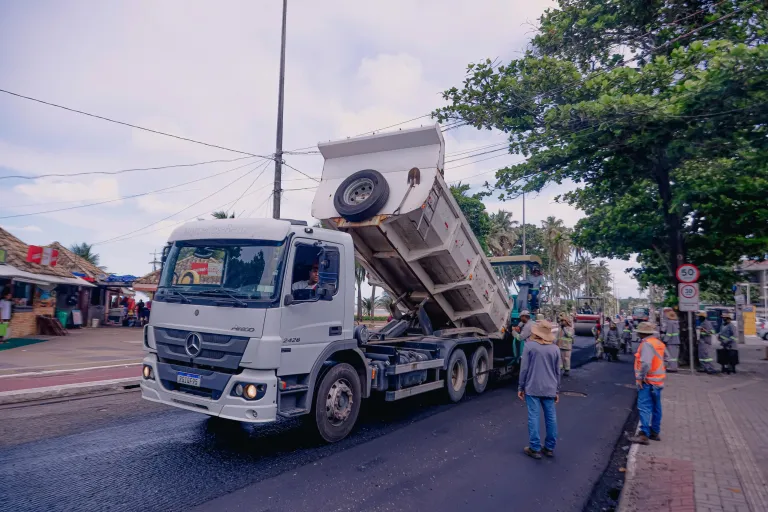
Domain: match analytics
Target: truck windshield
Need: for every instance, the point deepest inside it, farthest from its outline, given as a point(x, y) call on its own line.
point(217, 272)
point(640, 312)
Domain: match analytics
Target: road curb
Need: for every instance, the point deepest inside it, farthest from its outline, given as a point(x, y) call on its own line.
point(66, 390)
point(625, 502)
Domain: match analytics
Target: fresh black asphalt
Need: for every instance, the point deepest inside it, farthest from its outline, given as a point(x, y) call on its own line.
point(118, 452)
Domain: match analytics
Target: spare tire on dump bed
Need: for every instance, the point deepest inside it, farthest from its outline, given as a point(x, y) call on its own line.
point(361, 196)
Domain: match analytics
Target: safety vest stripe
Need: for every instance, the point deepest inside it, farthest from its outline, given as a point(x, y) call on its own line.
point(709, 360)
point(673, 334)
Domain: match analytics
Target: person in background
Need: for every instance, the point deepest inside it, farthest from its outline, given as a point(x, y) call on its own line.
point(611, 342)
point(565, 342)
point(539, 387)
point(140, 308)
point(706, 333)
point(672, 338)
point(6, 307)
point(727, 337)
point(597, 331)
point(626, 336)
point(650, 374)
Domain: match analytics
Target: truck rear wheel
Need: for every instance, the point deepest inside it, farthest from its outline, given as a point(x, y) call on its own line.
point(480, 367)
point(337, 403)
point(456, 375)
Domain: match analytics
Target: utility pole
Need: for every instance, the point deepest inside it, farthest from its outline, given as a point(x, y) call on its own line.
point(154, 261)
point(525, 267)
point(279, 144)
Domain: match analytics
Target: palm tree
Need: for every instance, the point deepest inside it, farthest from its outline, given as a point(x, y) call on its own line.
point(85, 251)
point(558, 246)
point(359, 278)
point(221, 214)
point(384, 301)
point(373, 296)
point(368, 306)
point(503, 233)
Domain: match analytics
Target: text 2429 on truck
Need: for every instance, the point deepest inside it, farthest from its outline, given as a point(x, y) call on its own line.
point(254, 318)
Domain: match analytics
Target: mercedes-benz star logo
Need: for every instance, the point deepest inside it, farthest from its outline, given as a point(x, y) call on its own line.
point(193, 344)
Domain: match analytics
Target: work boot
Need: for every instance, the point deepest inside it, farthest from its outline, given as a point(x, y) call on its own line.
point(548, 452)
point(640, 439)
point(655, 436)
point(532, 453)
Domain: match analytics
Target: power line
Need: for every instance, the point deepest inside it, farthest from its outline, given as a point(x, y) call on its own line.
point(301, 172)
point(264, 168)
point(476, 161)
point(260, 205)
point(179, 222)
point(121, 198)
point(25, 177)
point(178, 212)
point(26, 205)
point(157, 132)
point(478, 154)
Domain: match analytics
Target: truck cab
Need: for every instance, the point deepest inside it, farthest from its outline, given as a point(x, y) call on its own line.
point(244, 306)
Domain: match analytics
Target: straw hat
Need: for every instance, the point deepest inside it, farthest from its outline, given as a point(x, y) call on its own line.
point(566, 318)
point(646, 328)
point(727, 315)
point(702, 314)
point(670, 314)
point(540, 317)
point(542, 332)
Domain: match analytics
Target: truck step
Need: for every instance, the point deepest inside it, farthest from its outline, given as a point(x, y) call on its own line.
point(291, 413)
point(294, 388)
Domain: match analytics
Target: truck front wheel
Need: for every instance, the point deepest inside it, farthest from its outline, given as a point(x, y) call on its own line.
point(456, 375)
point(337, 403)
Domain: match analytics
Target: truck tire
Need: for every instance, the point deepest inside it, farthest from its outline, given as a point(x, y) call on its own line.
point(337, 403)
point(456, 375)
point(480, 367)
point(361, 196)
point(583, 329)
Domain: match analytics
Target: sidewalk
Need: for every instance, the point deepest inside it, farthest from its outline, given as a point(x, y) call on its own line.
point(713, 455)
point(86, 360)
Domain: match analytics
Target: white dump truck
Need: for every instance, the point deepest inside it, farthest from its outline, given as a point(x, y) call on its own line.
point(254, 318)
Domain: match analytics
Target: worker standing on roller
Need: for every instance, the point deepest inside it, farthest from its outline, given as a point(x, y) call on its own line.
point(537, 281)
point(565, 342)
point(672, 338)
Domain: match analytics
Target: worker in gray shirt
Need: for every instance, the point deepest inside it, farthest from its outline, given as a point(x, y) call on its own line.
point(727, 337)
point(706, 333)
point(672, 338)
point(539, 387)
point(524, 328)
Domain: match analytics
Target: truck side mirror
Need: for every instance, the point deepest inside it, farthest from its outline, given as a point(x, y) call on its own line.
point(288, 300)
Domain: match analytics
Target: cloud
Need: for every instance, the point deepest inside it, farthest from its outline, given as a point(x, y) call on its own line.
point(100, 189)
point(24, 229)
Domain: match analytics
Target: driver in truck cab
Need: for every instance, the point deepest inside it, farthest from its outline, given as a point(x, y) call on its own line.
point(311, 283)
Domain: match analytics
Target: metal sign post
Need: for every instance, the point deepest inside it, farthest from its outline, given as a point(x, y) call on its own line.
point(688, 300)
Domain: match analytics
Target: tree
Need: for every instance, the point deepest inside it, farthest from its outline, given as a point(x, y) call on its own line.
point(474, 210)
point(359, 278)
point(669, 155)
point(221, 214)
point(85, 251)
point(368, 306)
point(502, 234)
point(558, 246)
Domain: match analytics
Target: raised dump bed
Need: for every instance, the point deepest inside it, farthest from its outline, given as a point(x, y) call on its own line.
point(388, 192)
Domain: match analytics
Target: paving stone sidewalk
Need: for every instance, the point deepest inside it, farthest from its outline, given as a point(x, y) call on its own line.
point(713, 455)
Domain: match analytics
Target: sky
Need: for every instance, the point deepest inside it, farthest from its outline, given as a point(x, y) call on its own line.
point(208, 71)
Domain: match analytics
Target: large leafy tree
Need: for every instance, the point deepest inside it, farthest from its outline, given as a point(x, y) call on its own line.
point(474, 210)
point(656, 111)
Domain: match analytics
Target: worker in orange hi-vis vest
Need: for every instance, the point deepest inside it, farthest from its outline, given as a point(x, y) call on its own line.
point(650, 374)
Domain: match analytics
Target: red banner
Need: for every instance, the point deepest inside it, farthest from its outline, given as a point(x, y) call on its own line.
point(200, 268)
point(42, 255)
point(34, 254)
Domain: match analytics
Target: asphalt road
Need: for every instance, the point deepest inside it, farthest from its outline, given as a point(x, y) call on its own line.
point(117, 452)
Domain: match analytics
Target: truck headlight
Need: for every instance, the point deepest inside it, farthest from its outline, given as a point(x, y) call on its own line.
point(147, 373)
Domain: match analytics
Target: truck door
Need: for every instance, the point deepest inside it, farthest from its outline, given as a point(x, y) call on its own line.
point(314, 313)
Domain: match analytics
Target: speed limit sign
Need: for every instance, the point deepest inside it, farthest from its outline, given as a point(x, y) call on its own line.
point(688, 296)
point(688, 273)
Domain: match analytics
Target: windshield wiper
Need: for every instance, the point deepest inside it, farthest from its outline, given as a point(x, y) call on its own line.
point(182, 298)
point(224, 292)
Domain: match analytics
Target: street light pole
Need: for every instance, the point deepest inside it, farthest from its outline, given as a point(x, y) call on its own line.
point(277, 191)
point(525, 267)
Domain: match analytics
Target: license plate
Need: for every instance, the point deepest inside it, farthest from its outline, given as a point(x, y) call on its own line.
point(190, 379)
